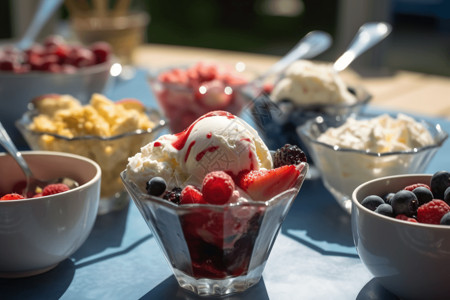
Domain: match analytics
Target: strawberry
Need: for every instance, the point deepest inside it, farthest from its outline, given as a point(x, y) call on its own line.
point(54, 189)
point(190, 194)
point(262, 185)
point(217, 187)
point(405, 218)
point(432, 212)
point(12, 196)
point(416, 185)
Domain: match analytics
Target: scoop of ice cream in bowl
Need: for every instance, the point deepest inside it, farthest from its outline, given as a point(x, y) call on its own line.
point(215, 198)
point(358, 149)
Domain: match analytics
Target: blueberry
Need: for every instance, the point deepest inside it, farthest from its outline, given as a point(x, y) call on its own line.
point(447, 195)
point(440, 181)
point(156, 186)
point(388, 198)
point(423, 195)
point(404, 203)
point(385, 210)
point(372, 202)
point(445, 220)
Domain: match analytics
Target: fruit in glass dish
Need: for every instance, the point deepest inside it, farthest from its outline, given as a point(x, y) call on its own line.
point(215, 200)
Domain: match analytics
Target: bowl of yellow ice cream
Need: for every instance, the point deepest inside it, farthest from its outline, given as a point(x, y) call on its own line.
point(103, 130)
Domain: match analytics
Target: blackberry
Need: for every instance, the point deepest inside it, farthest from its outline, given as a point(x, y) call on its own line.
point(288, 155)
point(156, 186)
point(174, 195)
point(447, 195)
point(440, 181)
point(445, 220)
point(405, 203)
point(423, 195)
point(385, 209)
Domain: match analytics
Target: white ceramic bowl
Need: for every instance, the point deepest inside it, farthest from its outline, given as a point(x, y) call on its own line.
point(38, 233)
point(412, 260)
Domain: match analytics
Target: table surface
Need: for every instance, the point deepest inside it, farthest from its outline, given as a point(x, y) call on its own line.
point(313, 257)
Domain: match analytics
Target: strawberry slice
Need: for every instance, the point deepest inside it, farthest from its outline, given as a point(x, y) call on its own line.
point(262, 185)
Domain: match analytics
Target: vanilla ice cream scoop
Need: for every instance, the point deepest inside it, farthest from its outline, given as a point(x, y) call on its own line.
point(216, 141)
point(308, 83)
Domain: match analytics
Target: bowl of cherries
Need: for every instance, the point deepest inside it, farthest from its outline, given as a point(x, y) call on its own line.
point(52, 66)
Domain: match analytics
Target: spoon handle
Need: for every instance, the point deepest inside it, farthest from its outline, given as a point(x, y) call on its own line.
point(367, 36)
point(45, 10)
point(9, 146)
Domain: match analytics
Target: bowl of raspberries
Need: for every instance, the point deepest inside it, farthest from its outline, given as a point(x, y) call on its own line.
point(401, 229)
point(48, 67)
point(41, 228)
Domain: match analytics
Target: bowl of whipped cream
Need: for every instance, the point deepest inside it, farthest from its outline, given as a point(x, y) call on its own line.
point(351, 151)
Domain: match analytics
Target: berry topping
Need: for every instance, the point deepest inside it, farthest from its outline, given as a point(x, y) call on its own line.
point(440, 181)
point(54, 189)
point(404, 203)
point(388, 198)
point(406, 218)
point(288, 155)
point(262, 185)
point(217, 187)
point(385, 209)
point(174, 195)
point(156, 186)
point(432, 212)
point(372, 202)
point(445, 220)
point(416, 185)
point(12, 196)
point(423, 194)
point(447, 195)
point(191, 195)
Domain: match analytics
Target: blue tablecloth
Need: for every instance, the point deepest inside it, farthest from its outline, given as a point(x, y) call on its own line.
point(313, 257)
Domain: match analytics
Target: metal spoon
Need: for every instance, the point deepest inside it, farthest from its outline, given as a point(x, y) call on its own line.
point(367, 36)
point(45, 10)
point(32, 182)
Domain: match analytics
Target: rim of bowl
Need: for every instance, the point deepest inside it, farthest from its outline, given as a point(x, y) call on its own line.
point(439, 138)
point(23, 123)
point(391, 219)
point(272, 201)
point(97, 176)
point(98, 68)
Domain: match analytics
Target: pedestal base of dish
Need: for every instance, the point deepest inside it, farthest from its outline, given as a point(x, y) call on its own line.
point(118, 201)
point(219, 287)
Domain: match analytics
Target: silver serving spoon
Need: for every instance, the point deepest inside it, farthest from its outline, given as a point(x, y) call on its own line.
point(32, 182)
point(45, 10)
point(368, 35)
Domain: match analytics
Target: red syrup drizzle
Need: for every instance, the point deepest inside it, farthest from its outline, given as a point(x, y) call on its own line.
point(209, 149)
point(209, 135)
point(184, 135)
point(189, 150)
point(157, 144)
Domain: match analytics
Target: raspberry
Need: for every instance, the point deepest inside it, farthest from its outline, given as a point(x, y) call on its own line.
point(406, 218)
point(416, 185)
point(173, 196)
point(217, 187)
point(288, 155)
point(55, 188)
point(191, 195)
point(12, 196)
point(432, 212)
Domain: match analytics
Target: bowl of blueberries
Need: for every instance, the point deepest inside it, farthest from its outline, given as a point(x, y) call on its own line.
point(401, 229)
point(52, 66)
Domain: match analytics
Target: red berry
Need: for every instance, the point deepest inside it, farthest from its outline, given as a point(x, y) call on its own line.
point(217, 187)
point(191, 195)
point(54, 189)
point(102, 51)
point(432, 212)
point(416, 185)
point(12, 196)
point(406, 218)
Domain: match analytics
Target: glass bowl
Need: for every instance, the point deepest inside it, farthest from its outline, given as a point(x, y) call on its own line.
point(215, 249)
point(186, 92)
point(343, 169)
point(111, 153)
point(279, 120)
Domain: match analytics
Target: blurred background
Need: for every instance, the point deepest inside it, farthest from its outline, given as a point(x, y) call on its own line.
point(420, 40)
